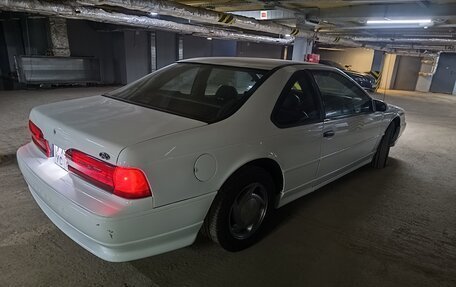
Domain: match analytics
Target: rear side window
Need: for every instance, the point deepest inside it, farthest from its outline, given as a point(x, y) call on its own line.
point(206, 93)
point(341, 97)
point(298, 104)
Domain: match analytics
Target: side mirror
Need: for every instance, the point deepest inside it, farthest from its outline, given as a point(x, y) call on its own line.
point(380, 106)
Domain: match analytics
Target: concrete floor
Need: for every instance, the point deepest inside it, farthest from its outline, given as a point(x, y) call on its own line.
point(390, 227)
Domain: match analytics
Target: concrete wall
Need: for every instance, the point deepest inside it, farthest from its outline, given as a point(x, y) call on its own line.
point(166, 43)
point(137, 54)
point(196, 47)
point(14, 42)
point(202, 47)
point(360, 59)
point(85, 41)
point(20, 35)
point(224, 48)
point(259, 50)
point(35, 35)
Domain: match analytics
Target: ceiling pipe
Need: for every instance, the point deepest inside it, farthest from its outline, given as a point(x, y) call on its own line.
point(171, 8)
point(435, 41)
point(100, 15)
point(448, 48)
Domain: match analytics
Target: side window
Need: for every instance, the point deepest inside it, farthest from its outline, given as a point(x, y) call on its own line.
point(341, 96)
point(298, 103)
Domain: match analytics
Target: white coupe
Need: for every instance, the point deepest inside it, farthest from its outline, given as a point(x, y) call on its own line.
point(211, 144)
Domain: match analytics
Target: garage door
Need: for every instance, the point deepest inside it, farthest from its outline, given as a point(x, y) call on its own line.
point(445, 76)
point(407, 73)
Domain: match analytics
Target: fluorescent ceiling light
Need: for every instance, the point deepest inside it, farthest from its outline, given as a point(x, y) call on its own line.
point(287, 35)
point(209, 38)
point(331, 49)
point(411, 21)
point(153, 13)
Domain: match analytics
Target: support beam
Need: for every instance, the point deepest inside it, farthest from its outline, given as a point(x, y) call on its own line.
point(301, 47)
point(59, 37)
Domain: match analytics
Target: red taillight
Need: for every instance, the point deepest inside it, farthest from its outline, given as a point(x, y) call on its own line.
point(39, 140)
point(96, 171)
point(125, 182)
point(130, 183)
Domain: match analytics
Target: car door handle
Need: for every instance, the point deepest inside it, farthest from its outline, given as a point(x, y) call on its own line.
point(329, 134)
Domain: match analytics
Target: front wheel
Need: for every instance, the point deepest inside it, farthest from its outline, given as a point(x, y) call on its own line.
point(241, 209)
point(382, 153)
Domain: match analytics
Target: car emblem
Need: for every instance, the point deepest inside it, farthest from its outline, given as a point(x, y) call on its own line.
point(104, 155)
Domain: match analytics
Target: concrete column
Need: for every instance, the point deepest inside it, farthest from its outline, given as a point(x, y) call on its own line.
point(428, 66)
point(301, 47)
point(388, 73)
point(59, 37)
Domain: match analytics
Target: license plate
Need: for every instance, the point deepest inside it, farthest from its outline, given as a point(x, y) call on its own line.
point(60, 158)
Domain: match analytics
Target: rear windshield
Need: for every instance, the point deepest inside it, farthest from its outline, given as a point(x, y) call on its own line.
point(207, 93)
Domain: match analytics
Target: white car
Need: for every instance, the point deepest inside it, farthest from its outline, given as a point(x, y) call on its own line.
point(212, 144)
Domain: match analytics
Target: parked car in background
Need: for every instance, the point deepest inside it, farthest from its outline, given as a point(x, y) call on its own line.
point(365, 80)
point(211, 144)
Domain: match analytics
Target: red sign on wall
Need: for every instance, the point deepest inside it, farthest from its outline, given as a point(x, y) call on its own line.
point(263, 15)
point(313, 58)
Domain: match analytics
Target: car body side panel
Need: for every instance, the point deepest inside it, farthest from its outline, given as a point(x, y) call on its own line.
point(355, 138)
point(297, 149)
point(169, 161)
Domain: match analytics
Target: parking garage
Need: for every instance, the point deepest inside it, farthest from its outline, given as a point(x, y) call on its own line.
point(372, 227)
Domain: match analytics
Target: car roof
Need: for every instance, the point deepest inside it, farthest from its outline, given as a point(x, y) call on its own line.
point(244, 62)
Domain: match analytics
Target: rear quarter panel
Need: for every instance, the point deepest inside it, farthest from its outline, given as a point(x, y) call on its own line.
point(169, 161)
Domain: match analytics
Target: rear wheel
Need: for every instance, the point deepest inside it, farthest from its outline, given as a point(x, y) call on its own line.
point(241, 209)
point(382, 153)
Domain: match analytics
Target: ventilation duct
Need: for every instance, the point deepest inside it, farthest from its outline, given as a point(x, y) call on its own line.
point(100, 15)
point(174, 9)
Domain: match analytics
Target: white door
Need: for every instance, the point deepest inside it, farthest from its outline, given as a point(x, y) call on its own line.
point(351, 126)
point(297, 142)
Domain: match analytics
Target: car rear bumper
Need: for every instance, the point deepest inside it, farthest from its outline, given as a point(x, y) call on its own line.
point(111, 228)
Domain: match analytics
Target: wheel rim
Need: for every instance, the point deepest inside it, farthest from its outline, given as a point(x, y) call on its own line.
point(248, 211)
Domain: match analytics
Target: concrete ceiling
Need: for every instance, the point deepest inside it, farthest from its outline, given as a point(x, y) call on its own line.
point(347, 19)
point(330, 23)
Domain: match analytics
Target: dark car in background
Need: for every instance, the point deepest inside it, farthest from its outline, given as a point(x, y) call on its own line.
point(367, 81)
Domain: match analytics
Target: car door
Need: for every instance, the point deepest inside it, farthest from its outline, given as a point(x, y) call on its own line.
point(351, 126)
point(299, 118)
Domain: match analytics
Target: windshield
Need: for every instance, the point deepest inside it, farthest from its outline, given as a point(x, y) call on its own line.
point(207, 93)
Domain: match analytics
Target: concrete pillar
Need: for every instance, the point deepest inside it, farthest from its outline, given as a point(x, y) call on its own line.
point(388, 73)
point(428, 66)
point(301, 47)
point(59, 37)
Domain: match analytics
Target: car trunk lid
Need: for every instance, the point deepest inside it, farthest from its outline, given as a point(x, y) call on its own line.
point(99, 124)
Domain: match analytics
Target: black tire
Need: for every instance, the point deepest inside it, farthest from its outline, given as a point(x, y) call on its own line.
point(220, 225)
point(382, 153)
